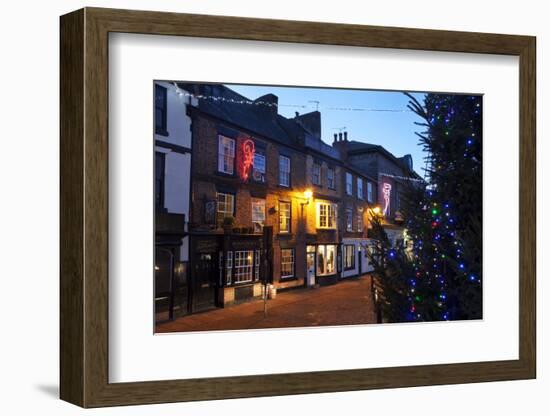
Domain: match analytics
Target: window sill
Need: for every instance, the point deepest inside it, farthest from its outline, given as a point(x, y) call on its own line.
point(225, 175)
point(162, 133)
point(239, 284)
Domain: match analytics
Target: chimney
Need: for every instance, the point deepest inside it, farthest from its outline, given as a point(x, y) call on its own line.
point(267, 105)
point(341, 144)
point(311, 122)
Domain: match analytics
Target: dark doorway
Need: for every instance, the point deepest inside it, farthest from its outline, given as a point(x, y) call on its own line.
point(205, 273)
point(171, 285)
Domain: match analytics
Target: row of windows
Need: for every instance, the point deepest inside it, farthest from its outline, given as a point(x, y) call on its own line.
point(226, 157)
point(326, 217)
point(331, 182)
point(226, 162)
point(226, 208)
point(326, 214)
point(244, 265)
point(360, 188)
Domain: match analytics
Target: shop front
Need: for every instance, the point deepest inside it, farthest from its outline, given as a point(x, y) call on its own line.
point(225, 270)
point(322, 262)
point(355, 260)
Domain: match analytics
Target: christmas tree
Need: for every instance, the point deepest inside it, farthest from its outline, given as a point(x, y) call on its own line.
point(391, 268)
point(439, 276)
point(444, 218)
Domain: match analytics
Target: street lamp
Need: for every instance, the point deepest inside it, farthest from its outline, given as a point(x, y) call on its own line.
point(307, 195)
point(376, 210)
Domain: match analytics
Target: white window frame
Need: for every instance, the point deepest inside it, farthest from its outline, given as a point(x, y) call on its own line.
point(349, 219)
point(258, 172)
point(326, 210)
point(316, 174)
point(370, 192)
point(346, 249)
point(258, 222)
point(244, 266)
point(322, 249)
point(360, 188)
point(220, 215)
point(285, 219)
point(331, 174)
point(226, 144)
point(360, 222)
point(229, 267)
point(284, 171)
point(288, 261)
point(349, 183)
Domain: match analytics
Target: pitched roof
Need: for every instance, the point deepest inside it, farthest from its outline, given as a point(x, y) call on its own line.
point(355, 147)
point(256, 116)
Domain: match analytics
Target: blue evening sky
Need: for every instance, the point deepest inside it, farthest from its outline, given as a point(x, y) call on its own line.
point(345, 108)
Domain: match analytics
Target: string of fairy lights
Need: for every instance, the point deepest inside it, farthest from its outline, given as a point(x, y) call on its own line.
point(401, 178)
point(217, 98)
point(318, 107)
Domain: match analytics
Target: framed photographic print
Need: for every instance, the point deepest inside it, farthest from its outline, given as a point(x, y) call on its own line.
point(257, 207)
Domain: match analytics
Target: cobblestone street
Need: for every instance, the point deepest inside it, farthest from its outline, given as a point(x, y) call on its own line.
point(345, 303)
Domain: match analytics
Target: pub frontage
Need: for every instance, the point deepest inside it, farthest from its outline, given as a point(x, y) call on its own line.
point(225, 269)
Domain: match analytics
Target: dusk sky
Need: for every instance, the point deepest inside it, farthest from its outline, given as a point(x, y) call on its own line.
point(352, 109)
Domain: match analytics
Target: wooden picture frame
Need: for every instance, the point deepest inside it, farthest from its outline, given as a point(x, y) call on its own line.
point(84, 207)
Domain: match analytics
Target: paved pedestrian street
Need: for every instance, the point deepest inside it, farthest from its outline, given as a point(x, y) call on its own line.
point(345, 303)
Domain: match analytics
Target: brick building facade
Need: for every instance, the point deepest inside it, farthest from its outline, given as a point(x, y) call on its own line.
point(271, 203)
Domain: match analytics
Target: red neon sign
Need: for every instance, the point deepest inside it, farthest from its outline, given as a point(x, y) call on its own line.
point(247, 162)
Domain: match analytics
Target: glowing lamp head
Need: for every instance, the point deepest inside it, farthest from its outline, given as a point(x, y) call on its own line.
point(308, 194)
point(376, 210)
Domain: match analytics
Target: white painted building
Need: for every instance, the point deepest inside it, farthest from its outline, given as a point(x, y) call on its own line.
point(172, 149)
point(355, 261)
